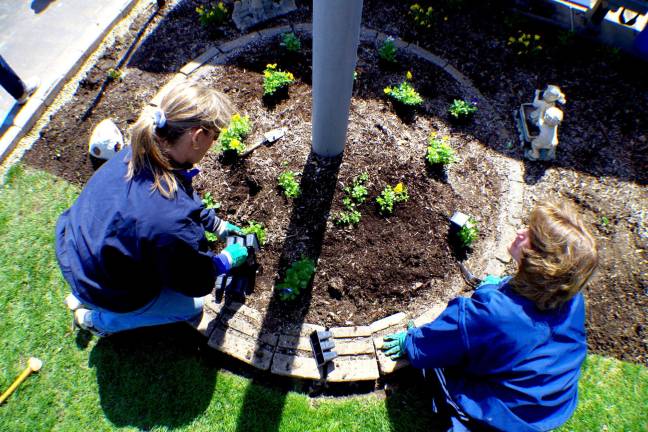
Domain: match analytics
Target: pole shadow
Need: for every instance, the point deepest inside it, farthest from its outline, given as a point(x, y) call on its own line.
point(304, 238)
point(153, 377)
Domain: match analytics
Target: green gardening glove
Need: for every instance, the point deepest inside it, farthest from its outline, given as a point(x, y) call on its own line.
point(225, 228)
point(394, 345)
point(235, 254)
point(232, 229)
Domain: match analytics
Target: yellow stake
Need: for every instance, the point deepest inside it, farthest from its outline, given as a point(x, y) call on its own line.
point(33, 365)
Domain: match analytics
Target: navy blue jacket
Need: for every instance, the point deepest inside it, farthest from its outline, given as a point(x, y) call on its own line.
point(122, 242)
point(508, 364)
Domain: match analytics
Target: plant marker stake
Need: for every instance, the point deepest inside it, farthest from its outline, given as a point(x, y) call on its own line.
point(33, 365)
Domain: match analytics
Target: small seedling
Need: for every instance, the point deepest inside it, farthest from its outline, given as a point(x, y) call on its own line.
point(468, 233)
point(605, 221)
point(525, 43)
point(288, 184)
point(291, 42)
point(114, 74)
point(462, 110)
point(256, 228)
point(232, 137)
point(298, 276)
point(355, 195)
point(209, 202)
point(211, 237)
point(405, 93)
point(212, 15)
point(439, 151)
point(275, 79)
point(422, 17)
point(387, 50)
point(389, 196)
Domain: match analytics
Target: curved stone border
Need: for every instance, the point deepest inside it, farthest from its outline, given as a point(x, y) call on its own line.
point(235, 329)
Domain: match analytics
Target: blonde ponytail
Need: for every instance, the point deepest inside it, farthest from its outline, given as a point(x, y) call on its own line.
point(187, 105)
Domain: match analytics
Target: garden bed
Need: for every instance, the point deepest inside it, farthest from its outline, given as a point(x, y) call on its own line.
point(403, 262)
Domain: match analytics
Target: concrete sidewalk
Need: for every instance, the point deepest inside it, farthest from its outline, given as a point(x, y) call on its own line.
point(48, 39)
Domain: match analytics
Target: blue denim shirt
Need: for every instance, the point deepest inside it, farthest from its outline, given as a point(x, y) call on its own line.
point(122, 242)
point(507, 364)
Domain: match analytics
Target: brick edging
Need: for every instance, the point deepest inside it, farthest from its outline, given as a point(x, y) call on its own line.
point(235, 329)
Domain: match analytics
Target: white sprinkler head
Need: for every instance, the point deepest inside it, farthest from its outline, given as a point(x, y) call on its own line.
point(106, 140)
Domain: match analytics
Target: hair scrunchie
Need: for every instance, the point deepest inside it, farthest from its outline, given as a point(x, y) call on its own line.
point(159, 119)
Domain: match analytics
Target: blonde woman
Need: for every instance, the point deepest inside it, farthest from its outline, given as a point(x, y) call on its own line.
point(508, 358)
point(132, 246)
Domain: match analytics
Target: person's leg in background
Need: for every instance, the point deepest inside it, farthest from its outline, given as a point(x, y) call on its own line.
point(14, 85)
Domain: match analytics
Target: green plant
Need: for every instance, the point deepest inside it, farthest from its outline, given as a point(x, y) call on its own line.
point(256, 228)
point(468, 233)
point(389, 196)
point(288, 184)
point(114, 74)
point(212, 15)
point(439, 151)
point(404, 92)
point(387, 50)
point(297, 278)
point(566, 38)
point(356, 194)
point(210, 202)
point(525, 43)
point(232, 137)
point(210, 236)
point(274, 79)
point(291, 42)
point(461, 109)
point(422, 16)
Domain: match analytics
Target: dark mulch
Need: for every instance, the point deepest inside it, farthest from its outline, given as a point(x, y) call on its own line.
point(403, 262)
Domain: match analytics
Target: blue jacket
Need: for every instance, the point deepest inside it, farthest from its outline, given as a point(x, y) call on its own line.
point(508, 364)
point(122, 242)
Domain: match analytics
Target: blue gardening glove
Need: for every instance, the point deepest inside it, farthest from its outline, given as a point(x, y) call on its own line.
point(225, 228)
point(394, 345)
point(235, 254)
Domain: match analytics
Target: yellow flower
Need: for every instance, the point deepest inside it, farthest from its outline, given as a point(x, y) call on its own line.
point(408, 75)
point(387, 90)
point(271, 66)
point(267, 74)
point(235, 144)
point(399, 188)
point(537, 37)
point(236, 117)
point(290, 76)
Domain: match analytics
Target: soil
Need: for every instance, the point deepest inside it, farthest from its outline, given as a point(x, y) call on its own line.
point(403, 262)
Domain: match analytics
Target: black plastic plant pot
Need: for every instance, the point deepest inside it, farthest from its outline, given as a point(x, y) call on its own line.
point(273, 99)
point(322, 345)
point(463, 119)
point(459, 220)
point(405, 112)
point(438, 171)
point(229, 156)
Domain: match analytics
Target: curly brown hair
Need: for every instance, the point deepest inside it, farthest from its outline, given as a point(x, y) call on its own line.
point(561, 260)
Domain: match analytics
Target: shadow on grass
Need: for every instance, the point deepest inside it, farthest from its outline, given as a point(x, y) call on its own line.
point(409, 405)
point(155, 377)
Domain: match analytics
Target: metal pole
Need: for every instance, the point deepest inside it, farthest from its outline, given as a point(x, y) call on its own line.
point(336, 34)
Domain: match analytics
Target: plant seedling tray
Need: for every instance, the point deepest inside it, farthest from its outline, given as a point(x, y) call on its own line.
point(241, 280)
point(322, 344)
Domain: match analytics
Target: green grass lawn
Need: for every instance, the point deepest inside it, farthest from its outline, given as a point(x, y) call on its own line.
point(162, 379)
